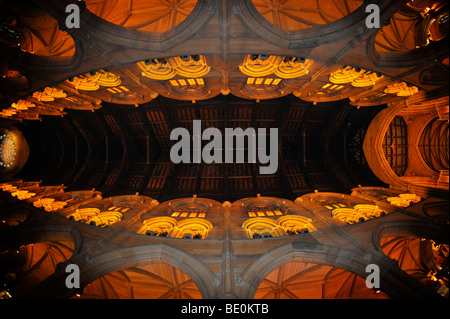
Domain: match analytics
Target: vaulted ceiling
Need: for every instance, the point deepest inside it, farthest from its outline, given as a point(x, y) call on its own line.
point(135, 70)
point(123, 150)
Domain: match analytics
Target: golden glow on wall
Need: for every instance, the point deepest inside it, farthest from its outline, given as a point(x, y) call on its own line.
point(259, 66)
point(359, 213)
point(355, 76)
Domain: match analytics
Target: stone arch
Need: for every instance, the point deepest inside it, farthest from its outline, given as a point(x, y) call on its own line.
point(295, 224)
point(333, 31)
point(262, 227)
point(125, 258)
point(339, 257)
point(44, 233)
point(158, 226)
point(108, 32)
point(409, 228)
point(372, 146)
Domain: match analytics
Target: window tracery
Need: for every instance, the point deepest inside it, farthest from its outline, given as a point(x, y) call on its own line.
point(189, 228)
point(403, 200)
point(291, 16)
point(188, 66)
point(395, 145)
point(8, 150)
point(49, 204)
point(359, 213)
point(357, 77)
point(260, 66)
point(95, 217)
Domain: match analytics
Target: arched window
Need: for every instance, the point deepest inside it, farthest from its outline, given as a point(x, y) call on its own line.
point(263, 208)
point(158, 226)
point(95, 217)
point(433, 145)
point(261, 227)
point(403, 200)
point(8, 150)
point(23, 194)
point(193, 228)
point(357, 214)
point(49, 204)
point(294, 224)
point(189, 208)
point(395, 145)
point(190, 228)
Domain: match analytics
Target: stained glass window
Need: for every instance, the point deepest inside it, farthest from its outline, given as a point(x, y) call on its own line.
point(7, 150)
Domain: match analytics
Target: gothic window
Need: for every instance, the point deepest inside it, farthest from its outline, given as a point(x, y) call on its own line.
point(23, 194)
point(263, 208)
point(262, 227)
point(7, 150)
point(193, 228)
point(195, 209)
point(331, 202)
point(185, 82)
point(295, 224)
point(395, 145)
point(158, 226)
point(95, 217)
point(433, 145)
point(49, 204)
point(357, 214)
point(403, 200)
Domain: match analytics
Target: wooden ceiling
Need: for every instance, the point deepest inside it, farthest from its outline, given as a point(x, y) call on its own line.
point(123, 150)
point(315, 71)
